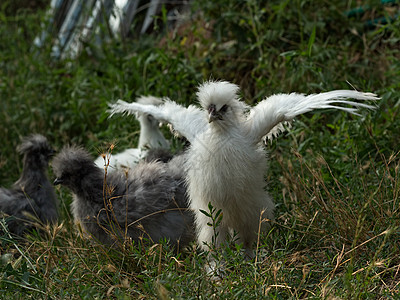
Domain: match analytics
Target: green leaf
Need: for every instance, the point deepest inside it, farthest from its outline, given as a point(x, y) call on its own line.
point(204, 212)
point(311, 40)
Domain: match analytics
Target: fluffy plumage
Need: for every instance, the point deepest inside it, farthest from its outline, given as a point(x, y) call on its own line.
point(32, 197)
point(158, 154)
point(148, 200)
point(226, 162)
point(150, 138)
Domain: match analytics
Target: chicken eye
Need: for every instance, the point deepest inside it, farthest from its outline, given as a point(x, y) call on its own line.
point(224, 108)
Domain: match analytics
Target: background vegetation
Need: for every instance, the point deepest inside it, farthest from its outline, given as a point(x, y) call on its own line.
point(334, 177)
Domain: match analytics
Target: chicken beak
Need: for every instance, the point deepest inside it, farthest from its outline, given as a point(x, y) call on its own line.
point(212, 118)
point(57, 181)
point(212, 113)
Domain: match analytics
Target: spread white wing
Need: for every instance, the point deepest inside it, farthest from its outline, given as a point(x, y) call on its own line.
point(187, 121)
point(267, 115)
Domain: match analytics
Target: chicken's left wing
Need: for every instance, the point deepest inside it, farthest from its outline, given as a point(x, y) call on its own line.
point(268, 115)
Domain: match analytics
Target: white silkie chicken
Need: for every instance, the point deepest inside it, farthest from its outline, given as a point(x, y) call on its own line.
point(150, 138)
point(226, 162)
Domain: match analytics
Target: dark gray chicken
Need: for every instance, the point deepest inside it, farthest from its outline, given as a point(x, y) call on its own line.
point(148, 201)
point(32, 197)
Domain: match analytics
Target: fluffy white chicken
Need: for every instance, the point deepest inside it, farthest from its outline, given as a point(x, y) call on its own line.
point(150, 138)
point(226, 162)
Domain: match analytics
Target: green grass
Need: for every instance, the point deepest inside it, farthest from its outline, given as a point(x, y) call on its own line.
point(334, 177)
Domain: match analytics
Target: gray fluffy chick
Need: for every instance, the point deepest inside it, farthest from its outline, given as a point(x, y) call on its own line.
point(147, 201)
point(32, 197)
